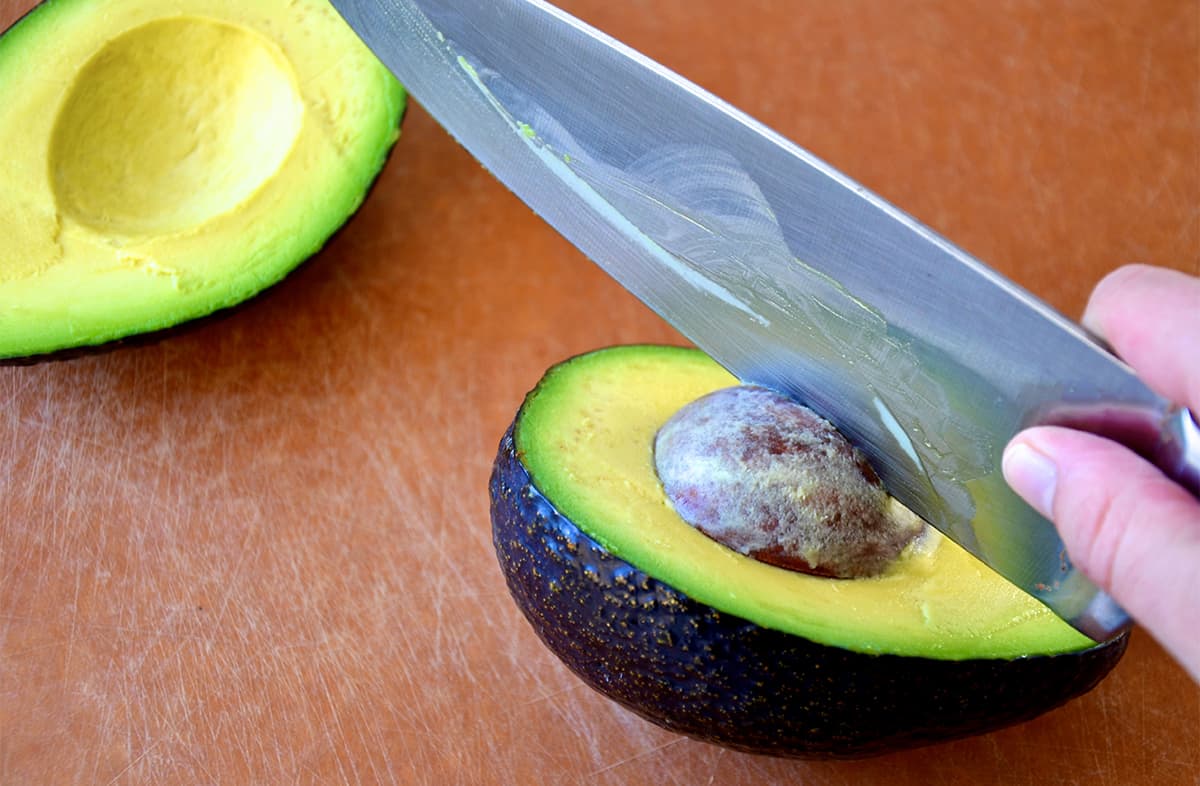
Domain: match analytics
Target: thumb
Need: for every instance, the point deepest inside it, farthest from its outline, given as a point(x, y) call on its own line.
point(1130, 529)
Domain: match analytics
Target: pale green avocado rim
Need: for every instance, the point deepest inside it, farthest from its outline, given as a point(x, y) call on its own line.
point(544, 449)
point(31, 327)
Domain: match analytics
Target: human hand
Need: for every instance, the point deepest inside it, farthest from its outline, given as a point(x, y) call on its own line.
point(1129, 528)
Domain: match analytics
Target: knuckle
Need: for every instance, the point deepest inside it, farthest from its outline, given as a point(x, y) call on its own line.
point(1109, 530)
point(1097, 529)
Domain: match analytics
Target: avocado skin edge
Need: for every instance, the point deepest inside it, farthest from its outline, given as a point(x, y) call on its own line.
point(715, 677)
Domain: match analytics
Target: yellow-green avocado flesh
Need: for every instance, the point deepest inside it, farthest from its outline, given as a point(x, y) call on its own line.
point(166, 159)
point(586, 435)
point(703, 641)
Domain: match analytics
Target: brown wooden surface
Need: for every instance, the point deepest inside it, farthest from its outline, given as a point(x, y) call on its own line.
point(260, 551)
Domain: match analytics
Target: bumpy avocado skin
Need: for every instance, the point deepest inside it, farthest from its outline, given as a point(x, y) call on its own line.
point(697, 671)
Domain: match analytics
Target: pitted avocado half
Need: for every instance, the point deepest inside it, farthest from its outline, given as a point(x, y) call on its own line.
point(713, 644)
point(166, 159)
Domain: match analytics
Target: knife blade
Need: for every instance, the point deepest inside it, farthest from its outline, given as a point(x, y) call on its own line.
point(784, 270)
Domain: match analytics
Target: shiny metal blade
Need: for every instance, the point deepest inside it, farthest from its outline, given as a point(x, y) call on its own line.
point(782, 269)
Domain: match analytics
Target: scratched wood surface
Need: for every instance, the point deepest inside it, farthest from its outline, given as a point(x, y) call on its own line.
point(259, 551)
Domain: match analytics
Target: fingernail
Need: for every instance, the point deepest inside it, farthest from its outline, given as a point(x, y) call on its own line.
point(1032, 475)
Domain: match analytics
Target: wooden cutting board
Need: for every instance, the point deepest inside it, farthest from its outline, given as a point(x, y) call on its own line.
point(260, 551)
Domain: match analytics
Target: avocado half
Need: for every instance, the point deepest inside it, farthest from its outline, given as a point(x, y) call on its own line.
point(166, 159)
point(715, 645)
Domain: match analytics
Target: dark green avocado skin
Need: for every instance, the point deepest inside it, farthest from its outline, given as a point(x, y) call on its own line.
point(697, 671)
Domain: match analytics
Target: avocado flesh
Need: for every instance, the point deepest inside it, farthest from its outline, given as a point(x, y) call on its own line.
point(166, 159)
point(586, 434)
point(717, 677)
point(721, 674)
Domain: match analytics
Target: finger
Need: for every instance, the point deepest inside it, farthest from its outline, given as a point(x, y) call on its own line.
point(1151, 318)
point(1125, 525)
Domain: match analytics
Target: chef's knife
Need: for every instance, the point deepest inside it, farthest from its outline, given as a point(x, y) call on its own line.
point(784, 270)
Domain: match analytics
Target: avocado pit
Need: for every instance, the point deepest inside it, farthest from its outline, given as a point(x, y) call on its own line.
point(656, 615)
point(769, 478)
